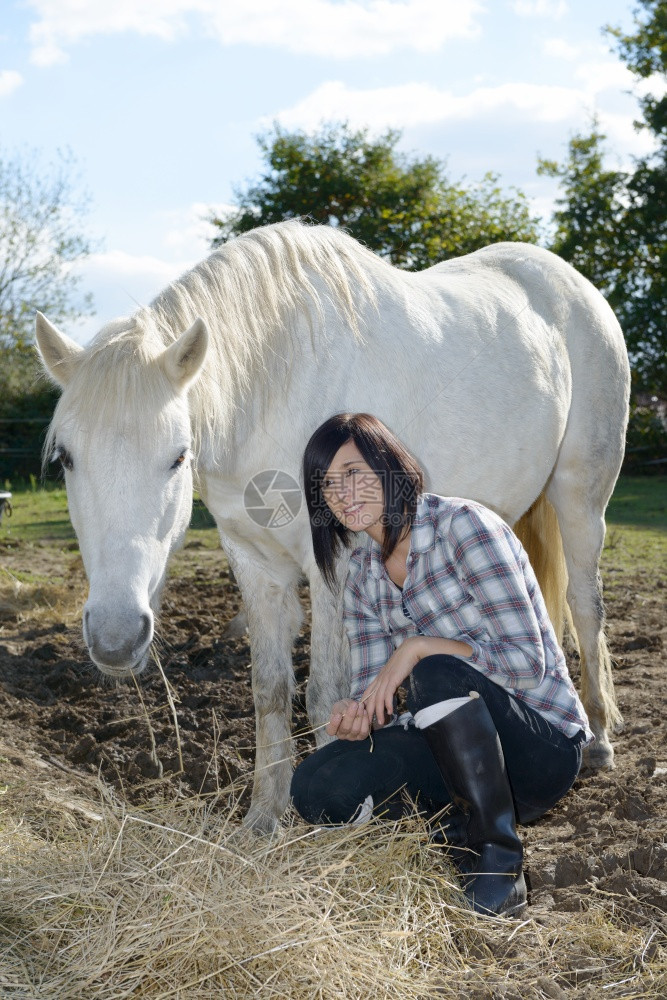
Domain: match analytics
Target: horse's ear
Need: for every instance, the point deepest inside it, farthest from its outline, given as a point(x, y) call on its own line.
point(182, 361)
point(58, 352)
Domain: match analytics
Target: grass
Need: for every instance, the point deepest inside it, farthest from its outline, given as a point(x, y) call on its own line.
point(41, 516)
point(636, 542)
point(38, 516)
point(636, 539)
point(630, 549)
point(638, 503)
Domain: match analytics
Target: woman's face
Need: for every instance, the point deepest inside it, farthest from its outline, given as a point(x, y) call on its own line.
point(353, 492)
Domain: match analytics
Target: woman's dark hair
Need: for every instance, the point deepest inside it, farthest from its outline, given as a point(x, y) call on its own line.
point(401, 478)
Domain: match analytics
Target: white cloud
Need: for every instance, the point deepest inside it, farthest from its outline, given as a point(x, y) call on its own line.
point(541, 205)
point(317, 27)
point(655, 85)
point(121, 282)
point(604, 74)
point(189, 233)
point(623, 138)
point(560, 49)
point(64, 22)
point(540, 8)
point(355, 28)
point(9, 81)
point(422, 104)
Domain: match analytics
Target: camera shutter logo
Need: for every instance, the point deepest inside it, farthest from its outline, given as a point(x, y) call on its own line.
point(272, 498)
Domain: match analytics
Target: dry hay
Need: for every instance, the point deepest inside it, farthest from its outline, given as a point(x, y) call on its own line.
point(177, 901)
point(43, 599)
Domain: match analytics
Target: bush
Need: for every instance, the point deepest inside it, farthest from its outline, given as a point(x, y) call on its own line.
point(24, 418)
point(646, 441)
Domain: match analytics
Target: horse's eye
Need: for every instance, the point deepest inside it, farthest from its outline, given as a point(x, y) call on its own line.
point(63, 456)
point(179, 460)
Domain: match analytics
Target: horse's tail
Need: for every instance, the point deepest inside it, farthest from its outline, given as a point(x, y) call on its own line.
point(539, 534)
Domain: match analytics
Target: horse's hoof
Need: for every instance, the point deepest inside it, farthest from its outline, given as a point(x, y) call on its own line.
point(599, 756)
point(261, 823)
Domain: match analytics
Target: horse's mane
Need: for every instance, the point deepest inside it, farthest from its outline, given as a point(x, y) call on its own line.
point(254, 294)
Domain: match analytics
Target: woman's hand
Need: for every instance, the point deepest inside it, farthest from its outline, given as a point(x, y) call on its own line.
point(379, 695)
point(349, 720)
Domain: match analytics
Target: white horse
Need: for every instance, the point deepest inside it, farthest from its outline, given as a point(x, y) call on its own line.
point(504, 372)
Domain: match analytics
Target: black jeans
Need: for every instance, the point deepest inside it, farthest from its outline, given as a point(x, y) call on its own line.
point(542, 762)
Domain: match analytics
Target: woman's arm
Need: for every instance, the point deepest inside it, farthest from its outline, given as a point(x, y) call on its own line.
point(379, 695)
point(431, 645)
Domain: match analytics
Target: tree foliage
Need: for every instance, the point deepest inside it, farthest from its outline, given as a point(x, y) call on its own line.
point(611, 224)
point(645, 55)
point(645, 287)
point(403, 207)
point(40, 240)
point(589, 210)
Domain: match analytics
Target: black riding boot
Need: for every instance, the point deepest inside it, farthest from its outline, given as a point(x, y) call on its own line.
point(450, 831)
point(467, 750)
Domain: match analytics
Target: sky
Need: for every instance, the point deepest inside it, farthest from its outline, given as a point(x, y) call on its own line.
point(161, 102)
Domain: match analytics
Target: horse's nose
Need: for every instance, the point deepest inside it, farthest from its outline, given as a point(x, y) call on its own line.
point(119, 642)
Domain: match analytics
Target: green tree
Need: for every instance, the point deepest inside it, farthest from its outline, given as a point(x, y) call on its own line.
point(40, 240)
point(645, 54)
point(403, 207)
point(645, 285)
point(611, 224)
point(589, 210)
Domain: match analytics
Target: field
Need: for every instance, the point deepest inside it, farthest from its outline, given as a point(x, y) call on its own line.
point(124, 869)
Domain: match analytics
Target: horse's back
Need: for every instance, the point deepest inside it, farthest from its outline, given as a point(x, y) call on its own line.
point(561, 302)
point(548, 280)
point(591, 450)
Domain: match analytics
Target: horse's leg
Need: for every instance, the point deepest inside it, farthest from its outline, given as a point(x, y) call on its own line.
point(274, 617)
point(580, 505)
point(329, 677)
point(236, 626)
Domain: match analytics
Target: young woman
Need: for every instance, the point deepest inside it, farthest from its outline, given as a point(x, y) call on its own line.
point(440, 597)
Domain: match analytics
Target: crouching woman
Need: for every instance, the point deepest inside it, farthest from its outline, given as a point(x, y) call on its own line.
point(440, 598)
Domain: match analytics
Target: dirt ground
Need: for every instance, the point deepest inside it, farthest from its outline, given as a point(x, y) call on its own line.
point(605, 839)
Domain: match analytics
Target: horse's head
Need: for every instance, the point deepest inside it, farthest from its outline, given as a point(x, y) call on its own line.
point(121, 432)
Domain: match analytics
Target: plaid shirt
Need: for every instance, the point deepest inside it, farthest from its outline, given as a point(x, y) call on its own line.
point(468, 578)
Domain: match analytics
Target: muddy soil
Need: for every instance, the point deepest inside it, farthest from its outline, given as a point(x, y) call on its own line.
point(607, 838)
